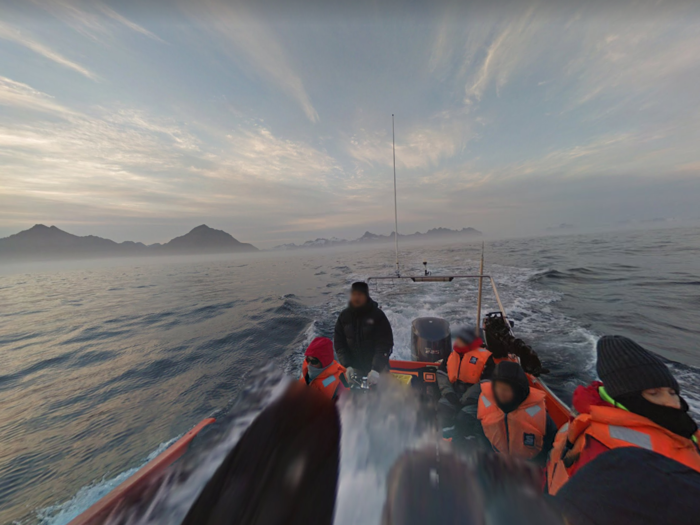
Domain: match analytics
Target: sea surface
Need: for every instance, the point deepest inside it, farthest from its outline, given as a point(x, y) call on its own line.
point(103, 363)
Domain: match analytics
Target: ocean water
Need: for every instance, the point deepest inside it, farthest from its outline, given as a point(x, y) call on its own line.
point(104, 363)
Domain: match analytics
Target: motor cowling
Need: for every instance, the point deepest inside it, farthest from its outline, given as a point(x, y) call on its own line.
point(430, 339)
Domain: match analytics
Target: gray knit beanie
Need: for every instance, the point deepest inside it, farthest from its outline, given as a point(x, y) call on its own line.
point(627, 368)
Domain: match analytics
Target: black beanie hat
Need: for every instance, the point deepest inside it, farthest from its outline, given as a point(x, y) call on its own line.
point(360, 287)
point(627, 368)
point(512, 373)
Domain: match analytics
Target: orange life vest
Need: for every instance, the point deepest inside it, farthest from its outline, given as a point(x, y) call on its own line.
point(327, 381)
point(519, 433)
point(511, 357)
point(467, 367)
point(614, 428)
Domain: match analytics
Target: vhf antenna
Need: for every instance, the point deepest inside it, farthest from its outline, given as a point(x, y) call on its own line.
point(396, 212)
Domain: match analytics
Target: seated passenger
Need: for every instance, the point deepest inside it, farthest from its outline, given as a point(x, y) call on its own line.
point(468, 363)
point(636, 405)
point(507, 416)
point(321, 371)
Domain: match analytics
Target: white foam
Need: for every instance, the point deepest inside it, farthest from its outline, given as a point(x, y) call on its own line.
point(63, 513)
point(376, 429)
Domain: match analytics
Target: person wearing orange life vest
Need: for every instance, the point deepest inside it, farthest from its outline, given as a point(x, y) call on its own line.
point(507, 416)
point(636, 405)
point(321, 371)
point(467, 364)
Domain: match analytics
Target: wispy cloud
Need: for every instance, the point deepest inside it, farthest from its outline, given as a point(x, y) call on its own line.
point(255, 41)
point(255, 151)
point(16, 94)
point(271, 120)
point(129, 162)
point(423, 146)
point(111, 13)
point(8, 32)
point(507, 52)
point(92, 18)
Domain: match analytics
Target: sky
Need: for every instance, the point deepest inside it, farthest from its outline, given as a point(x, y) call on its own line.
point(141, 120)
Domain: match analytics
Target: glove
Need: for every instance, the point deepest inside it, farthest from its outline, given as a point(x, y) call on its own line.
point(350, 374)
point(453, 399)
point(373, 378)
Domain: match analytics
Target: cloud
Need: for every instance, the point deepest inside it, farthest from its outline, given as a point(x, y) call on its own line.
point(92, 18)
point(255, 151)
point(632, 62)
point(440, 138)
point(18, 95)
point(111, 13)
point(258, 44)
point(14, 35)
point(127, 162)
point(507, 52)
point(503, 114)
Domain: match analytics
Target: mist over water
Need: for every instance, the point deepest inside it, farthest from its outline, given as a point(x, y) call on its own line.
point(105, 362)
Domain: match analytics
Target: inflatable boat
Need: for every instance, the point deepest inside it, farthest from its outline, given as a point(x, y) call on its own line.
point(430, 343)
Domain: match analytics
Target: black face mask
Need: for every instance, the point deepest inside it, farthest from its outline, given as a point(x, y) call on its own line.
point(676, 420)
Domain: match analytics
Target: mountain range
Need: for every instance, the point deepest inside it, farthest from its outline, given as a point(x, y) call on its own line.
point(368, 237)
point(49, 242)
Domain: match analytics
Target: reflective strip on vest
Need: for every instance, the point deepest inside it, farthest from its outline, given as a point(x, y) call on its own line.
point(328, 381)
point(487, 403)
point(564, 428)
point(533, 410)
point(631, 436)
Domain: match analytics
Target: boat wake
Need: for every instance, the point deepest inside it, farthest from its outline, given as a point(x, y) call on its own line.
point(377, 430)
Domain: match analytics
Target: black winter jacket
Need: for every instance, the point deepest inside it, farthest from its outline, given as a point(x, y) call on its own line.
point(363, 338)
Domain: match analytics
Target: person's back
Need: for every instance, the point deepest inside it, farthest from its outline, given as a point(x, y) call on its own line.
point(363, 336)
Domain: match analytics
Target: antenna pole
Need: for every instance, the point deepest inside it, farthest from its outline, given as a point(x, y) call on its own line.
point(478, 300)
point(396, 212)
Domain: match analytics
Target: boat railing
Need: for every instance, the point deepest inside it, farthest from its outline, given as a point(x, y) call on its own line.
point(449, 279)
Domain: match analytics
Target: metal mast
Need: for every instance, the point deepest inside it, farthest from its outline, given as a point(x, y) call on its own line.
point(478, 300)
point(396, 212)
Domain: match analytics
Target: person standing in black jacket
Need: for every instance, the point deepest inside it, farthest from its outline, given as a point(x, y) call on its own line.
point(363, 336)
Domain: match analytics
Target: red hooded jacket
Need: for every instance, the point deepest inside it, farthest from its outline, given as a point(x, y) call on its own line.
point(331, 381)
point(584, 398)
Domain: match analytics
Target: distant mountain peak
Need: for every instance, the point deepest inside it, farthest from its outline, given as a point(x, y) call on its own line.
point(46, 242)
point(42, 228)
point(369, 237)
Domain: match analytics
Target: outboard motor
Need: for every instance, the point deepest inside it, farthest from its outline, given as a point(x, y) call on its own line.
point(430, 339)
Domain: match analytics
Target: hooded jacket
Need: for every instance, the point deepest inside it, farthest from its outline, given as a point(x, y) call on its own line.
point(600, 427)
point(330, 378)
point(469, 422)
point(363, 338)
